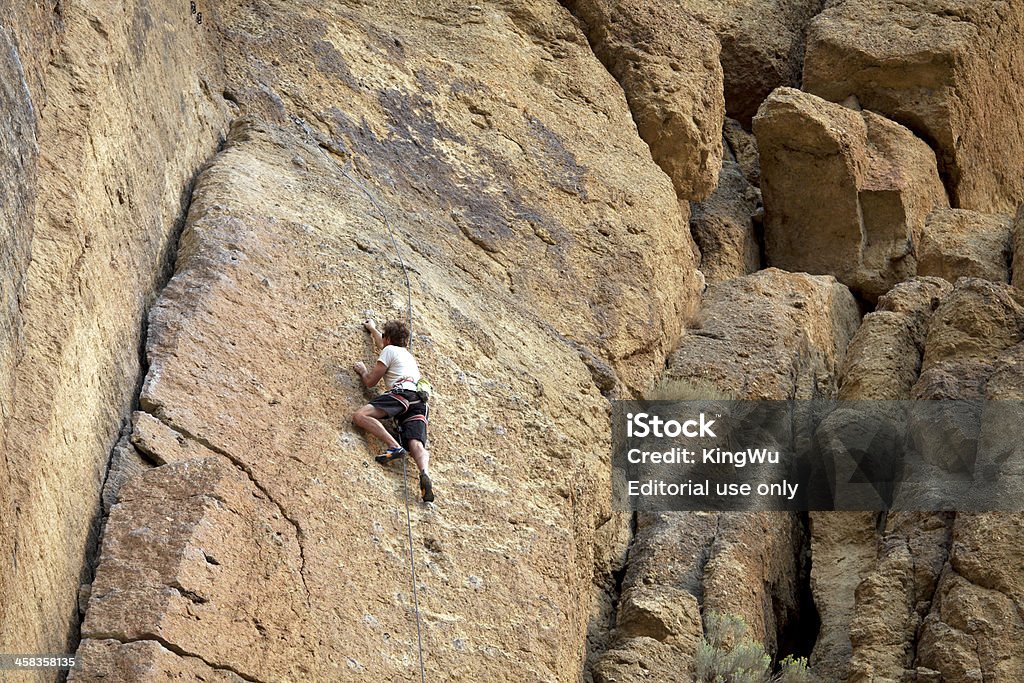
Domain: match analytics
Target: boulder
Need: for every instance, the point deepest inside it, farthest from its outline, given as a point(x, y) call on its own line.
point(668, 65)
point(962, 243)
point(658, 617)
point(845, 192)
point(951, 71)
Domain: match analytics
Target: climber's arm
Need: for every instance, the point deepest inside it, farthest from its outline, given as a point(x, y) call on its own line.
point(371, 327)
point(370, 377)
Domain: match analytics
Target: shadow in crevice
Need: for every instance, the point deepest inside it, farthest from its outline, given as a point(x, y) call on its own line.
point(798, 626)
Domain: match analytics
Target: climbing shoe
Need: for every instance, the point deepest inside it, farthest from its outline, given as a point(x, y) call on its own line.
point(426, 488)
point(391, 454)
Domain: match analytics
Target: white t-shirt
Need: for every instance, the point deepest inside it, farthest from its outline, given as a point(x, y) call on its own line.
point(402, 368)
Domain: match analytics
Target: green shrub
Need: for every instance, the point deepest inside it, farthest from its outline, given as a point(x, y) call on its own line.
point(728, 655)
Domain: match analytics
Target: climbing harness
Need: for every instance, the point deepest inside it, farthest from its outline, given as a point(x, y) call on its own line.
point(301, 123)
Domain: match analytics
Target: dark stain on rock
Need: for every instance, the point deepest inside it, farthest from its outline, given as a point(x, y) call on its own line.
point(142, 24)
point(557, 163)
point(482, 206)
point(330, 61)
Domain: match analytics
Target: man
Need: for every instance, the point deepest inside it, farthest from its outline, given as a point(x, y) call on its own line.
point(398, 368)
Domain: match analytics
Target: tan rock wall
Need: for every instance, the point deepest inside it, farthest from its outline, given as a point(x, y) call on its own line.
point(548, 258)
point(126, 106)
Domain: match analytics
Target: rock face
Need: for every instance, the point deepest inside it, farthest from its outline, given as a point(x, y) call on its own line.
point(18, 159)
point(668, 65)
point(519, 293)
point(762, 46)
point(845, 192)
point(920, 600)
point(883, 361)
point(960, 243)
point(950, 71)
point(770, 335)
point(726, 225)
point(108, 113)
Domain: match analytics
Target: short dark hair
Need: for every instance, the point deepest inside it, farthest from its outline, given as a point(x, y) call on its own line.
point(396, 332)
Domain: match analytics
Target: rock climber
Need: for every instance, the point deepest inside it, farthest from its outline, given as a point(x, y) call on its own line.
point(398, 368)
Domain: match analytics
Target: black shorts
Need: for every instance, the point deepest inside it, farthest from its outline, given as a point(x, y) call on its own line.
point(409, 413)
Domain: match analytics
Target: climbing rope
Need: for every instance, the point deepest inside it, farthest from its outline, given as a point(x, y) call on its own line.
point(408, 292)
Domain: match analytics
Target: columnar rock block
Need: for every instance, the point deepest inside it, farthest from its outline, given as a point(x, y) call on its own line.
point(961, 243)
point(668, 65)
point(843, 548)
point(974, 350)
point(975, 621)
point(768, 335)
point(846, 192)
point(658, 621)
point(951, 71)
point(884, 358)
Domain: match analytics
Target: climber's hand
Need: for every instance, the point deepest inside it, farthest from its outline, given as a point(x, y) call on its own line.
point(360, 368)
point(369, 325)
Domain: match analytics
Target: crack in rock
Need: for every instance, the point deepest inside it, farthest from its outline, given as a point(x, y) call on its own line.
point(176, 649)
point(244, 467)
